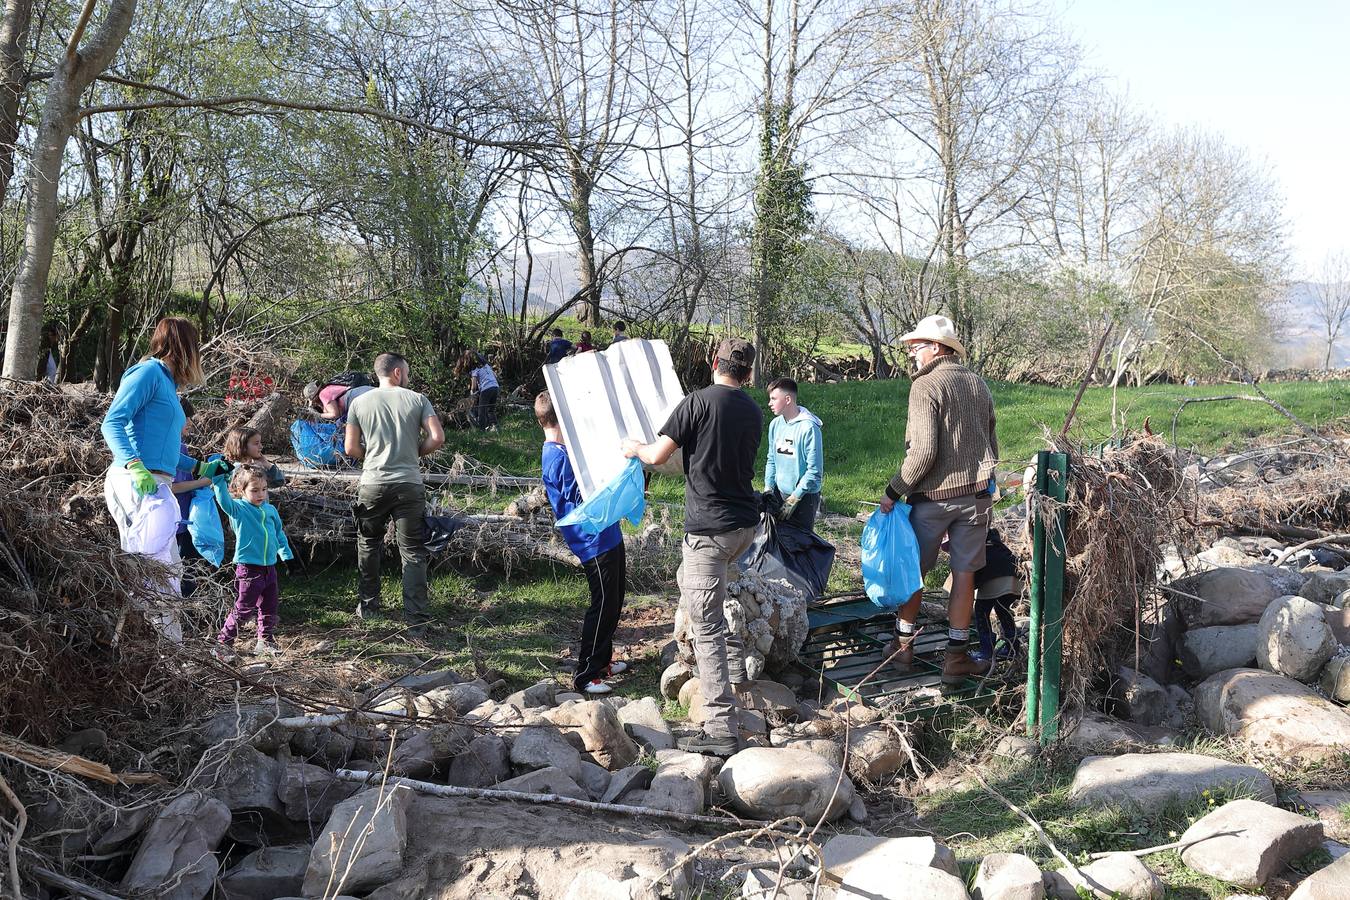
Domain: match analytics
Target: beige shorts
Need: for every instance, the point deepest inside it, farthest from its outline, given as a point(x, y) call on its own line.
point(963, 521)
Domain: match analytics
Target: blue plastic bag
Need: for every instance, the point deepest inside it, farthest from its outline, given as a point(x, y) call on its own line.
point(890, 558)
point(315, 443)
point(623, 497)
point(203, 521)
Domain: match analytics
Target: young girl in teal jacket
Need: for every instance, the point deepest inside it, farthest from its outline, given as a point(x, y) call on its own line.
point(259, 542)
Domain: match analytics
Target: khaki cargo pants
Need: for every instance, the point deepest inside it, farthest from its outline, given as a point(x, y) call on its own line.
point(703, 577)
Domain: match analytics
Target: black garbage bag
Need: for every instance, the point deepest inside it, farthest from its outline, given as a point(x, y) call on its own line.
point(439, 530)
point(801, 558)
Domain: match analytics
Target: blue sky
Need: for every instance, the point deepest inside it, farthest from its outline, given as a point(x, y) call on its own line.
point(1273, 77)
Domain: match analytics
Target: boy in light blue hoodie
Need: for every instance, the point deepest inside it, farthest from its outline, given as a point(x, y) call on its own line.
point(795, 469)
point(259, 542)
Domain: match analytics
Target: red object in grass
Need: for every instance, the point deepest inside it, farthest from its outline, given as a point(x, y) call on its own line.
point(245, 388)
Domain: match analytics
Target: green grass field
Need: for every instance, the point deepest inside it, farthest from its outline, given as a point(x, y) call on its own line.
point(865, 426)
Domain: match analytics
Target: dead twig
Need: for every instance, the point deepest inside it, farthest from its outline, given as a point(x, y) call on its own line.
point(12, 841)
point(1315, 542)
point(444, 790)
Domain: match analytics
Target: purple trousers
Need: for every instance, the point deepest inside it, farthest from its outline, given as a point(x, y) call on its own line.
point(259, 596)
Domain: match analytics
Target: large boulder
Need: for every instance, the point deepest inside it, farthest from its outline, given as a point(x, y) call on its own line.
point(267, 873)
point(1008, 876)
point(642, 720)
point(844, 853)
point(674, 677)
point(1120, 876)
point(1328, 883)
point(600, 731)
point(1294, 639)
point(594, 780)
point(1149, 782)
point(1332, 808)
point(362, 845)
point(254, 724)
point(1227, 596)
point(429, 750)
point(179, 847)
point(771, 782)
point(1095, 731)
point(680, 784)
point(1324, 587)
point(1335, 680)
point(867, 882)
point(450, 701)
point(308, 793)
point(541, 746)
point(486, 761)
point(1276, 716)
point(247, 781)
point(625, 782)
point(1338, 620)
point(542, 694)
point(1205, 651)
point(873, 752)
point(1145, 701)
point(549, 780)
point(1245, 842)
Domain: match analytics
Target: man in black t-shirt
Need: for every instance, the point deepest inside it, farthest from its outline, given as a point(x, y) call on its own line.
point(719, 428)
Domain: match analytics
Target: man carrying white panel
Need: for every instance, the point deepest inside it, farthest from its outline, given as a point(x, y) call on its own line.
point(718, 429)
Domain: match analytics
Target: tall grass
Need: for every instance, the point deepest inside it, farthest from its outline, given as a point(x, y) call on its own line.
point(865, 426)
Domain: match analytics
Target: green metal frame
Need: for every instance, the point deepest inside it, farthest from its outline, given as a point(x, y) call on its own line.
point(1045, 645)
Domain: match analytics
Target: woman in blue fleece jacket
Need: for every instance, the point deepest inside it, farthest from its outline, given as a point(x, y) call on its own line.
point(143, 429)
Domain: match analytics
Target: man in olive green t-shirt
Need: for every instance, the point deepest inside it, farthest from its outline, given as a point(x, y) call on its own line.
point(390, 428)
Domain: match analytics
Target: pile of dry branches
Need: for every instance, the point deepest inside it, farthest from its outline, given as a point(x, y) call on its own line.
point(1313, 496)
point(1124, 506)
point(71, 640)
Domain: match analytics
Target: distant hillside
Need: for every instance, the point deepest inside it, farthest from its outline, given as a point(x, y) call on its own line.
point(1298, 340)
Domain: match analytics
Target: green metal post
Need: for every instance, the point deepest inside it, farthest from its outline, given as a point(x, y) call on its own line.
point(1052, 614)
point(1037, 582)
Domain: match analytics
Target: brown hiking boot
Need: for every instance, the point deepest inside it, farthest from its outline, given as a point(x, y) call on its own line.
point(899, 653)
point(957, 666)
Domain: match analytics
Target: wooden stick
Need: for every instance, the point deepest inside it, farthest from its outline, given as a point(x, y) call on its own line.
point(1329, 539)
point(55, 879)
point(1040, 832)
point(71, 764)
point(12, 842)
point(445, 790)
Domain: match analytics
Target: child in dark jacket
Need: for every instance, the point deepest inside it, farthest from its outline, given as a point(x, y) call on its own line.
point(259, 542)
point(998, 587)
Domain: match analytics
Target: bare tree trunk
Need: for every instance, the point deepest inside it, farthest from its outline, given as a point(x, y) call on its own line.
point(589, 313)
point(13, 42)
point(73, 74)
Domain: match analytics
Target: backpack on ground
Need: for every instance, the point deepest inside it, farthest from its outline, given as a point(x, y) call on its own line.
point(351, 380)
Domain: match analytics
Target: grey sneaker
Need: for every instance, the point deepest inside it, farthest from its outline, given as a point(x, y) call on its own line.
point(368, 609)
point(709, 744)
point(266, 648)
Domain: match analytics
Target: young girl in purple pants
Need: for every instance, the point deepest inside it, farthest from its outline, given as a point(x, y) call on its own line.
point(258, 543)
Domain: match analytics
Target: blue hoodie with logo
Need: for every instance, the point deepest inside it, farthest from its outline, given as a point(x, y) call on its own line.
point(796, 455)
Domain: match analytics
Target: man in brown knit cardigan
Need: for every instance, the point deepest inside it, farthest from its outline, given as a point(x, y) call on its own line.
point(950, 454)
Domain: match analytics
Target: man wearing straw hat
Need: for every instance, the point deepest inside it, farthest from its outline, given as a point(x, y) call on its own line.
point(950, 454)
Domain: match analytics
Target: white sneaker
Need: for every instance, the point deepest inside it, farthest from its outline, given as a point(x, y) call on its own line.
point(617, 667)
point(266, 648)
point(596, 688)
